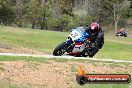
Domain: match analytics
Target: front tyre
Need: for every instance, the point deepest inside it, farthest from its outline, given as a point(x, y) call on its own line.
point(125, 35)
point(60, 49)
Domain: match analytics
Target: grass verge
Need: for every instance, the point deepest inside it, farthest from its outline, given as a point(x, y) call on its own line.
point(114, 47)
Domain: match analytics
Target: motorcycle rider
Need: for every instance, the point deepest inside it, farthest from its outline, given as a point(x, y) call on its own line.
point(121, 32)
point(96, 38)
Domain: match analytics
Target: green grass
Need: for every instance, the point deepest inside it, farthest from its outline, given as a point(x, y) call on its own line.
point(114, 47)
point(109, 36)
point(48, 40)
point(34, 39)
point(15, 58)
point(112, 50)
point(105, 86)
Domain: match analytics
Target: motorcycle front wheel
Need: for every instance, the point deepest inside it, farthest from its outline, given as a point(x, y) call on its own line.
point(60, 49)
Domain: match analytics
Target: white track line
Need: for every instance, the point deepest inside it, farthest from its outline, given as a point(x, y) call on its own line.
point(67, 57)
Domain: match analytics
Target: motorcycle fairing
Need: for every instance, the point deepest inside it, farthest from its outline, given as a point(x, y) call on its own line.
point(78, 35)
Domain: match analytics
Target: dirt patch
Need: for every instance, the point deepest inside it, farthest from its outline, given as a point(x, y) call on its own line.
point(48, 75)
point(18, 50)
point(54, 74)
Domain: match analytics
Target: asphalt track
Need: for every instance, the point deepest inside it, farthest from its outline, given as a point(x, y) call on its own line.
point(64, 56)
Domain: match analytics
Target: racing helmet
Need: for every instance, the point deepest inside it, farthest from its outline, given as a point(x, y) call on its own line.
point(94, 26)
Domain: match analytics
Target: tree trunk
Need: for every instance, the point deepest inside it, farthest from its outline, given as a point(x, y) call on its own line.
point(116, 26)
point(115, 19)
point(33, 24)
point(20, 23)
point(99, 10)
point(41, 26)
point(19, 12)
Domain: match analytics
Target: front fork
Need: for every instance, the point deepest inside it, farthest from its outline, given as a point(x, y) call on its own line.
point(70, 45)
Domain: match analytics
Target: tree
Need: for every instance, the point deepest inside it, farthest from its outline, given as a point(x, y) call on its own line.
point(19, 12)
point(44, 14)
point(91, 6)
point(33, 12)
point(67, 7)
point(130, 10)
point(7, 12)
point(56, 9)
point(119, 8)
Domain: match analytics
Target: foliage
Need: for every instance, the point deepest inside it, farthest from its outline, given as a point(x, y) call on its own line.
point(89, 19)
point(74, 22)
point(33, 12)
point(122, 23)
point(64, 21)
point(67, 7)
point(65, 14)
point(52, 24)
point(7, 13)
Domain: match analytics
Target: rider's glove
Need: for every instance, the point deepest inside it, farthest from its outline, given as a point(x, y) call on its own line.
point(86, 41)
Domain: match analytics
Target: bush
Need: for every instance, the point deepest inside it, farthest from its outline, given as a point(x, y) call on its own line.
point(75, 22)
point(122, 23)
point(88, 20)
point(64, 21)
point(52, 24)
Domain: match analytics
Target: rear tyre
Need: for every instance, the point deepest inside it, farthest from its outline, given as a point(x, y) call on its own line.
point(125, 35)
point(60, 49)
point(93, 52)
point(85, 53)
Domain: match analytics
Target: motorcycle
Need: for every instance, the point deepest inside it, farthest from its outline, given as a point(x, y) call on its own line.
point(121, 34)
point(77, 44)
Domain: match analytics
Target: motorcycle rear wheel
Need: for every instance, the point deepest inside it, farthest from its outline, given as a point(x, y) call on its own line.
point(85, 53)
point(125, 35)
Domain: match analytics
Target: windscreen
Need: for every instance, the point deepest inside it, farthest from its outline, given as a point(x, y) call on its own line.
point(81, 30)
